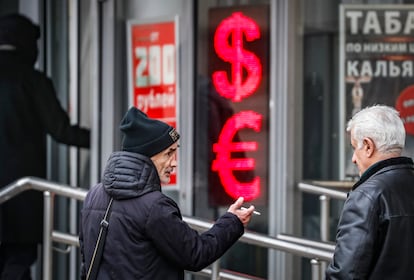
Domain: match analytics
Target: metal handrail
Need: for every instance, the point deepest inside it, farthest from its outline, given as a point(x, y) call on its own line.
point(321, 190)
point(329, 246)
point(32, 183)
point(325, 190)
point(266, 241)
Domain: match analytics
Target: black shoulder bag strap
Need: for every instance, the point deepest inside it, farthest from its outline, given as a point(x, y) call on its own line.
point(100, 242)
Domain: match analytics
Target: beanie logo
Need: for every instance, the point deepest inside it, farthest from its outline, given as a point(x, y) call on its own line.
point(174, 135)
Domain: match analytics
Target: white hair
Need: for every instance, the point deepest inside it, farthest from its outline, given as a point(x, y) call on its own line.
point(380, 123)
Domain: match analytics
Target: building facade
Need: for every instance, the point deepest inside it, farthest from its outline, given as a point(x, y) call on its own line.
point(260, 91)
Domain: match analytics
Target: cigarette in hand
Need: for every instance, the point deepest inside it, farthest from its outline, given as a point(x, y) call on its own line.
point(254, 212)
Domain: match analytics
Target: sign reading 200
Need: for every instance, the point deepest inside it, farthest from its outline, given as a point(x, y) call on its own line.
point(156, 65)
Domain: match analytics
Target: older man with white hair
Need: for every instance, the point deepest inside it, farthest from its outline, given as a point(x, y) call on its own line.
point(376, 229)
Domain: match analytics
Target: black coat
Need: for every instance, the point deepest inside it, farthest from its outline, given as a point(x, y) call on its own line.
point(147, 238)
point(375, 238)
point(29, 110)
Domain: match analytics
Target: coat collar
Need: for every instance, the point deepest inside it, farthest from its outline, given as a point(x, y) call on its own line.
point(380, 165)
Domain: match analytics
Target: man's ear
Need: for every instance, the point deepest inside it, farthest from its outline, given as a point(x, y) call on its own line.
point(369, 146)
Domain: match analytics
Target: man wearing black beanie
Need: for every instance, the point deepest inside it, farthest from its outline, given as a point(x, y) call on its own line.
point(146, 237)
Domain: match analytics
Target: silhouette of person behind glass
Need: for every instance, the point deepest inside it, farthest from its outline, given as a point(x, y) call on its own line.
point(29, 110)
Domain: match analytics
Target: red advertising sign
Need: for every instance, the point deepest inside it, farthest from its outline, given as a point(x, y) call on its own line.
point(152, 60)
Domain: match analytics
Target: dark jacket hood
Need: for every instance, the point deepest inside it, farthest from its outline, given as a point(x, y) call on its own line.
point(129, 175)
point(20, 32)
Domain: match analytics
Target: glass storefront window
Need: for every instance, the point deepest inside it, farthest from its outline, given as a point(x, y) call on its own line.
point(339, 79)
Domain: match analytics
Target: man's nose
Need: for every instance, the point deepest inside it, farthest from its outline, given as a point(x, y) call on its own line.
point(174, 161)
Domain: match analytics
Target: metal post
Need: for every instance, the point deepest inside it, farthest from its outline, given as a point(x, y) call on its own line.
point(47, 235)
point(316, 269)
point(325, 209)
point(324, 204)
point(215, 270)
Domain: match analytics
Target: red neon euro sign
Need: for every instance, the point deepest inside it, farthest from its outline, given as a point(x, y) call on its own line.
point(236, 27)
point(225, 165)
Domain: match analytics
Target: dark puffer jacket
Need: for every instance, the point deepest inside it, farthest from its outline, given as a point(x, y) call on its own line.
point(375, 238)
point(147, 238)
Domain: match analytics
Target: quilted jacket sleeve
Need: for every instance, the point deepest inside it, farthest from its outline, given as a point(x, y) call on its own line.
point(183, 245)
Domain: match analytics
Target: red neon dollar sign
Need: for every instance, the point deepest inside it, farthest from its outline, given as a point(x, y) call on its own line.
point(236, 26)
point(225, 165)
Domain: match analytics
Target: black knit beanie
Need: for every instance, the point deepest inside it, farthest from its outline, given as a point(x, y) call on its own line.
point(146, 136)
